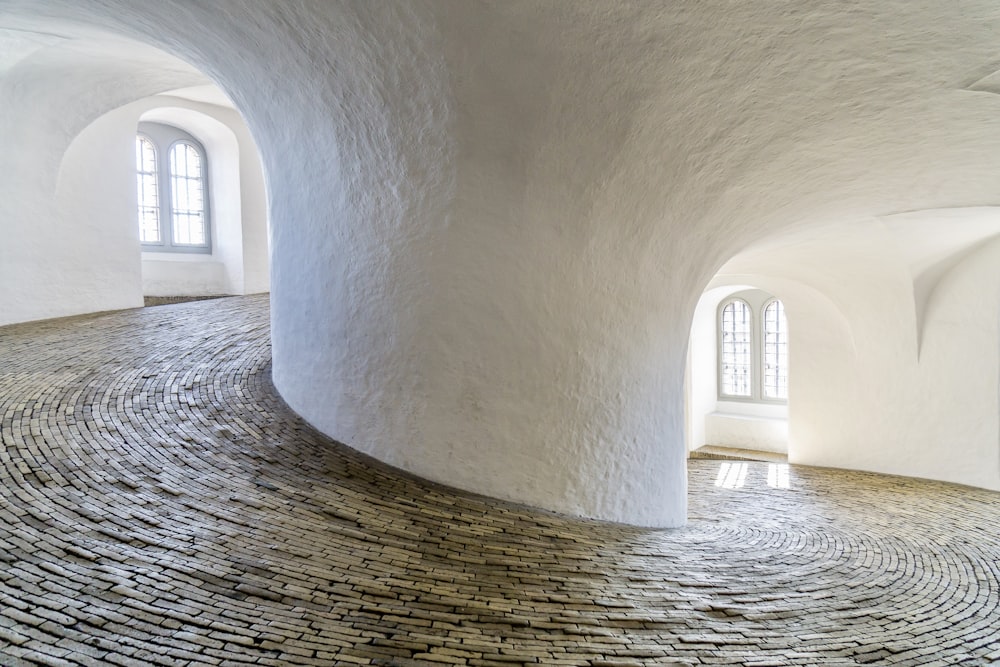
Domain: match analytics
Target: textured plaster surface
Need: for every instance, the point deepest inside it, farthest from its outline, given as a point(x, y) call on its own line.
point(492, 222)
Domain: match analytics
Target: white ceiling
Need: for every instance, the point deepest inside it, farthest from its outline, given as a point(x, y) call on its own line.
point(206, 94)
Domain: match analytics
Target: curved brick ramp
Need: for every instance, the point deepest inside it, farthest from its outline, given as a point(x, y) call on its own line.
point(159, 505)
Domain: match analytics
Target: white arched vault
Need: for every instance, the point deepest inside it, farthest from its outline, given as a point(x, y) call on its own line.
point(492, 222)
point(72, 100)
point(96, 209)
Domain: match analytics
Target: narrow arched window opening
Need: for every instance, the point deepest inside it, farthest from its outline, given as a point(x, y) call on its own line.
point(775, 351)
point(736, 342)
point(187, 188)
point(147, 190)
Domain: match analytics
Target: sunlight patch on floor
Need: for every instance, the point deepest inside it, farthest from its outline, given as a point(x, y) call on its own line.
point(732, 475)
point(777, 475)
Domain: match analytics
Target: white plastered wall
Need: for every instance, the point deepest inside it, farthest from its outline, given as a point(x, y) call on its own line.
point(66, 246)
point(96, 235)
point(492, 221)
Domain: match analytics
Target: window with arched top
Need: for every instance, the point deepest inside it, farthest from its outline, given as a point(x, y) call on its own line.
point(148, 190)
point(171, 172)
point(187, 189)
point(753, 348)
point(735, 353)
point(775, 361)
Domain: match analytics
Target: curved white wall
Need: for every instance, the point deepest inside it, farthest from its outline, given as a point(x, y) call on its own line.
point(492, 222)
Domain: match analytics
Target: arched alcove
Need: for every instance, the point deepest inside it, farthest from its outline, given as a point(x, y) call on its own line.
point(70, 205)
point(751, 422)
point(237, 202)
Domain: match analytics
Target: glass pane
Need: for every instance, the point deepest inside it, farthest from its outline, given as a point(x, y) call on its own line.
point(147, 193)
point(736, 349)
point(187, 191)
point(775, 351)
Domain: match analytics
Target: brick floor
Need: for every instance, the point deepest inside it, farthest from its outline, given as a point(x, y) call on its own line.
point(159, 505)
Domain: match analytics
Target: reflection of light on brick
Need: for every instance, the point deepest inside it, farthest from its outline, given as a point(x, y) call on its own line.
point(777, 475)
point(731, 475)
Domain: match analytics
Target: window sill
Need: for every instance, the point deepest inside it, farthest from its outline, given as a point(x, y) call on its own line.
point(766, 410)
point(177, 256)
point(767, 434)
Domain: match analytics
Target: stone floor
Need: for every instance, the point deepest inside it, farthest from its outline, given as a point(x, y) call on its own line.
point(737, 454)
point(167, 300)
point(159, 505)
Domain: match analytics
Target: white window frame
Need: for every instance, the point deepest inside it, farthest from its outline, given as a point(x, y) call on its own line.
point(148, 187)
point(164, 138)
point(757, 308)
point(782, 340)
point(720, 321)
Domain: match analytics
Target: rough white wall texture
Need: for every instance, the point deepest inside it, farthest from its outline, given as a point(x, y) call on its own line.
point(492, 221)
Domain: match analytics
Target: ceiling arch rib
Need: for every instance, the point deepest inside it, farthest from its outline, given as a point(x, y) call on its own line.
point(932, 243)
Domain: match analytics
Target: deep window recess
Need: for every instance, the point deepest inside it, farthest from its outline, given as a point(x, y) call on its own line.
point(171, 171)
point(753, 349)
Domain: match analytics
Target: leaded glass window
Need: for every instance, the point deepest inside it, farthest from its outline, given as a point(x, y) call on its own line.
point(736, 341)
point(753, 348)
point(775, 351)
point(147, 190)
point(187, 195)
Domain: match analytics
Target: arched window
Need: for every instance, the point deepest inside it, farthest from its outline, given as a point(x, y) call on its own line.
point(775, 351)
point(187, 187)
point(173, 211)
point(753, 348)
point(148, 191)
point(736, 344)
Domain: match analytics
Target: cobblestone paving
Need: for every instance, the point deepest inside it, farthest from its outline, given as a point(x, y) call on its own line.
point(159, 505)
